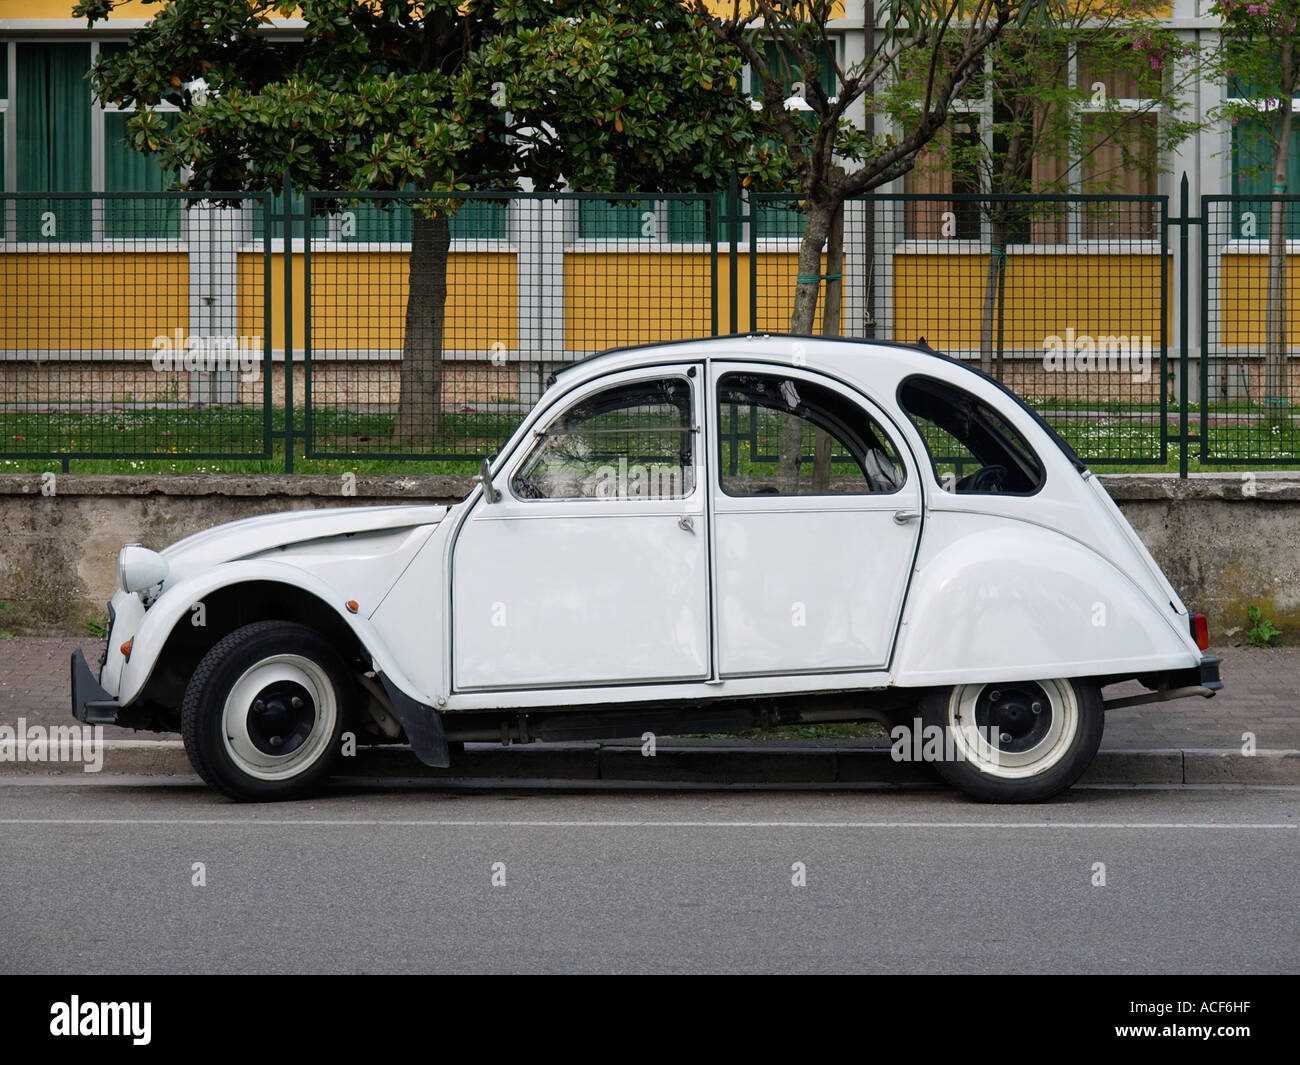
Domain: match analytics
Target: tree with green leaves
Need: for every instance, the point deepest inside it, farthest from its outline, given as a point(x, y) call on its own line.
point(437, 97)
point(1033, 128)
point(1259, 61)
point(927, 49)
point(934, 49)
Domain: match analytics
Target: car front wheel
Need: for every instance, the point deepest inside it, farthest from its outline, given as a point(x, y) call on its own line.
point(263, 712)
point(1021, 741)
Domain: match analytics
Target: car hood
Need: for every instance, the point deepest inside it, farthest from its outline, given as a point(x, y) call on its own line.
point(252, 536)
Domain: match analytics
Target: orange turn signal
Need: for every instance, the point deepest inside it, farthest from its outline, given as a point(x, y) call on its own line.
point(126, 648)
point(352, 606)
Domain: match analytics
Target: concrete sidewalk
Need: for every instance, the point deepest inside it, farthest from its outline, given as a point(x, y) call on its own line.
point(1190, 741)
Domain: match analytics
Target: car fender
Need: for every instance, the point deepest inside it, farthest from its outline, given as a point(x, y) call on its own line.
point(175, 604)
point(1026, 603)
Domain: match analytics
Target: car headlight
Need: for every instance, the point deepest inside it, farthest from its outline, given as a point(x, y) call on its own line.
point(139, 569)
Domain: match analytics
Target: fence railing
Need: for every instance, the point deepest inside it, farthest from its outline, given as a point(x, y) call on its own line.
point(257, 331)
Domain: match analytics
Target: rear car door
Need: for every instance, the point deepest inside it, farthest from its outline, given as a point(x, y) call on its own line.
point(817, 513)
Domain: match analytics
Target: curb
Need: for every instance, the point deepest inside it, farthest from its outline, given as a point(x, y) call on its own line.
point(719, 763)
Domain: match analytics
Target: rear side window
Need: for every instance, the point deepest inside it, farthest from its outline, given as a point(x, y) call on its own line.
point(973, 449)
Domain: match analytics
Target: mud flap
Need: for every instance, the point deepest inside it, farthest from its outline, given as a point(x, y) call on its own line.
point(422, 725)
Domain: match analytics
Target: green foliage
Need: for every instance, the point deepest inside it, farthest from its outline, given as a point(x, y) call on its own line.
point(1041, 117)
point(96, 629)
point(1259, 66)
point(444, 95)
point(5, 634)
point(1262, 631)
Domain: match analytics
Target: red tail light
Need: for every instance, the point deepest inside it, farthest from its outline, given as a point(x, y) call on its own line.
point(1201, 630)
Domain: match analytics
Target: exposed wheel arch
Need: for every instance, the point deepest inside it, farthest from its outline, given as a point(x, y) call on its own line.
point(229, 608)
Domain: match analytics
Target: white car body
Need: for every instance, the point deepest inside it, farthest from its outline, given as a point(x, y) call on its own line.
point(697, 596)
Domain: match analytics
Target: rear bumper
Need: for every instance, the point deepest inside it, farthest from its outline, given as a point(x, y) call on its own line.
point(1210, 673)
point(1202, 680)
point(90, 703)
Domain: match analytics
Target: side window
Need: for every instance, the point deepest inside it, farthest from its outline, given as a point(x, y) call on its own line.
point(972, 447)
point(632, 441)
point(786, 436)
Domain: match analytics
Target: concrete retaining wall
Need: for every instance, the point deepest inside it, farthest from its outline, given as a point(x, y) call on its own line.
point(1225, 541)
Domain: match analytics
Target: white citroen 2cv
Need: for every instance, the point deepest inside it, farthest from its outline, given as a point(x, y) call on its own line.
point(694, 536)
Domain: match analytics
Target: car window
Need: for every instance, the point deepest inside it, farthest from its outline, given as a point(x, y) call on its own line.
point(973, 449)
point(782, 435)
point(631, 441)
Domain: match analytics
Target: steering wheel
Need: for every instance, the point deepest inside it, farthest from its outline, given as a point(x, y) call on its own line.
point(985, 479)
point(526, 488)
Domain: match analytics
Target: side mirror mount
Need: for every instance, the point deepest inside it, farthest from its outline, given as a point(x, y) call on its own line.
point(492, 495)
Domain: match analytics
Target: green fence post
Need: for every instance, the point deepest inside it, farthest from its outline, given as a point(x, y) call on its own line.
point(1184, 205)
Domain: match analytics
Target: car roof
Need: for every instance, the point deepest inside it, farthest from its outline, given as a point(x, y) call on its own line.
point(894, 358)
point(760, 344)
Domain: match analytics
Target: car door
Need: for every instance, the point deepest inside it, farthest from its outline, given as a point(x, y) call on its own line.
point(592, 567)
point(817, 514)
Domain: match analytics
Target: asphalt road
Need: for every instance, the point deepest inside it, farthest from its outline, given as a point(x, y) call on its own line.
point(99, 877)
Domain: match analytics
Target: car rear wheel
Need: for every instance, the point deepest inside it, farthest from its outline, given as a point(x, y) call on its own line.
point(1020, 741)
point(263, 712)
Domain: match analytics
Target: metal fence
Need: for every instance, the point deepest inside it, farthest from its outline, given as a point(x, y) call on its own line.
point(260, 331)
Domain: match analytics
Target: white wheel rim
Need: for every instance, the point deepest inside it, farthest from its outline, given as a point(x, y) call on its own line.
point(246, 744)
point(971, 743)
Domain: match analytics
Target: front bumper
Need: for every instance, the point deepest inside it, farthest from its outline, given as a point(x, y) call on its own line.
point(90, 703)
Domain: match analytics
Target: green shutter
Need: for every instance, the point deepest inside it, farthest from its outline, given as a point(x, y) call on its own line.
point(126, 170)
point(779, 61)
point(1252, 175)
point(600, 219)
point(779, 218)
point(475, 220)
point(480, 220)
point(52, 111)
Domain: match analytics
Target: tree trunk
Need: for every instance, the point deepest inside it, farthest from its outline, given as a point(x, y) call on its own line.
point(1276, 383)
point(992, 287)
point(419, 407)
point(830, 328)
point(816, 229)
point(807, 286)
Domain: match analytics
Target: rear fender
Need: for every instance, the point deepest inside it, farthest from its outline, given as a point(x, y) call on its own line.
point(1027, 603)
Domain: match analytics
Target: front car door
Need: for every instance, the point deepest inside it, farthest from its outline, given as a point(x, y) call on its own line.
point(817, 515)
point(592, 568)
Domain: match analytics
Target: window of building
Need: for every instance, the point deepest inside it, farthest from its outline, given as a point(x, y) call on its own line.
point(1253, 145)
point(629, 441)
point(652, 221)
point(4, 114)
point(1108, 148)
point(385, 221)
point(51, 113)
point(66, 143)
point(836, 448)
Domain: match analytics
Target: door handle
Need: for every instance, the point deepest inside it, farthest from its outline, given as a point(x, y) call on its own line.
point(902, 517)
point(686, 523)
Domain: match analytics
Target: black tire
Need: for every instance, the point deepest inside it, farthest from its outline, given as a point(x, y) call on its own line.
point(1044, 736)
point(264, 710)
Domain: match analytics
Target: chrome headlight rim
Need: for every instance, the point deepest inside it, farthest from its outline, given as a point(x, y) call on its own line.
point(140, 570)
